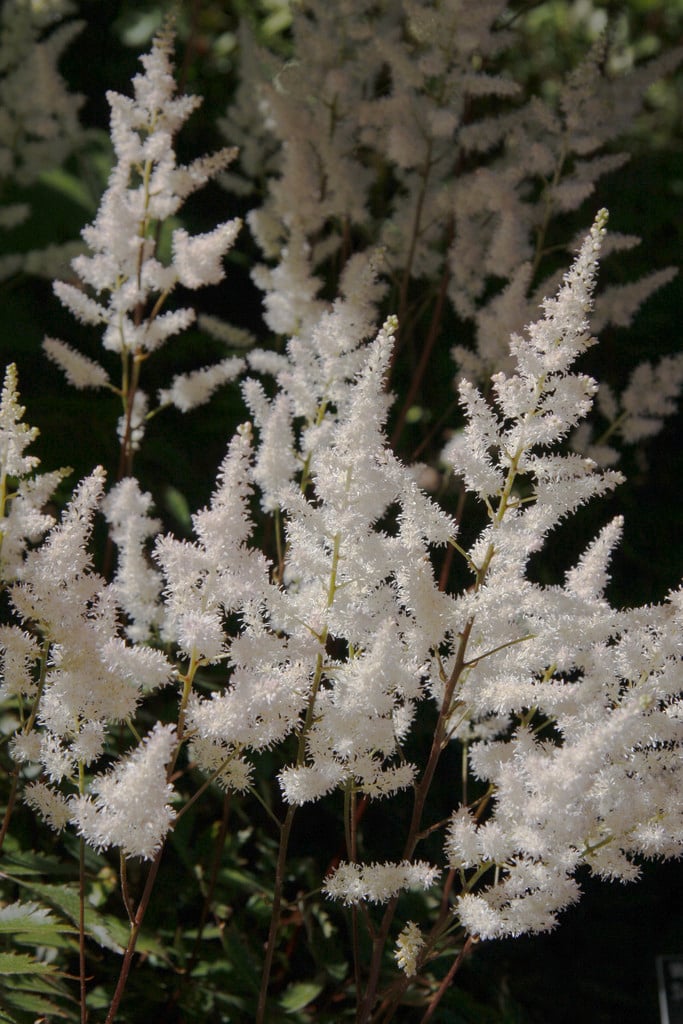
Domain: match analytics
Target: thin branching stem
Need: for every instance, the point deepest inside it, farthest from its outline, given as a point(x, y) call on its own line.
point(81, 930)
point(136, 926)
point(280, 868)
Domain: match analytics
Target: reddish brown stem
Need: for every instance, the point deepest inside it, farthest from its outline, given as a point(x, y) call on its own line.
point(133, 938)
point(430, 341)
point(446, 983)
point(438, 742)
point(11, 800)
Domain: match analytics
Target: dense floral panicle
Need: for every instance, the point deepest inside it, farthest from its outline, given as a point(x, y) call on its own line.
point(92, 677)
point(313, 383)
point(618, 303)
point(39, 124)
point(217, 574)
point(607, 681)
point(542, 401)
point(129, 807)
point(190, 390)
point(136, 584)
point(649, 397)
point(15, 435)
point(354, 734)
point(49, 803)
point(589, 578)
point(277, 462)
point(19, 652)
point(123, 262)
point(197, 259)
point(63, 560)
point(345, 577)
point(479, 183)
point(231, 772)
point(123, 269)
point(377, 883)
point(25, 521)
point(78, 369)
point(408, 945)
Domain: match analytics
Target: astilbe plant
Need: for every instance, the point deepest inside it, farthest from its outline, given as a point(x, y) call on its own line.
point(436, 163)
point(335, 665)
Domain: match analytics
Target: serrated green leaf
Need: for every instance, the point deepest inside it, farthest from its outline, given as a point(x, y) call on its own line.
point(23, 963)
point(32, 1002)
point(108, 931)
point(18, 862)
point(65, 898)
point(300, 994)
point(30, 922)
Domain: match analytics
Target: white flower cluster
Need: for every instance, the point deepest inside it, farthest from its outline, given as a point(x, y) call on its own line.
point(378, 883)
point(39, 125)
point(408, 946)
point(130, 809)
point(570, 709)
point(73, 663)
point(22, 496)
point(603, 686)
point(479, 173)
point(123, 285)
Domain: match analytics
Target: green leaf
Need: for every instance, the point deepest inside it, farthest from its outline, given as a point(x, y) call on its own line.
point(300, 994)
point(27, 862)
point(108, 931)
point(30, 922)
point(70, 186)
point(23, 963)
point(65, 898)
point(178, 505)
point(34, 1003)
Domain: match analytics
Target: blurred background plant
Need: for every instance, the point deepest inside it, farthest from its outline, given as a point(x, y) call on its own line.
point(223, 849)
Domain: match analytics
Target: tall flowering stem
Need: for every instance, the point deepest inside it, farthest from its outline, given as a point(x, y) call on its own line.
point(131, 285)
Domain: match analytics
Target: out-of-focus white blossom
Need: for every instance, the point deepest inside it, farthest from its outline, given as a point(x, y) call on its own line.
point(39, 124)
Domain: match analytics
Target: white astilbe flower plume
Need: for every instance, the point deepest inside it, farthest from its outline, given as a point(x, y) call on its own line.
point(15, 435)
point(608, 682)
point(23, 495)
point(377, 883)
point(93, 678)
point(218, 574)
point(190, 390)
point(136, 584)
point(408, 946)
point(39, 125)
point(123, 284)
point(129, 807)
point(78, 369)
